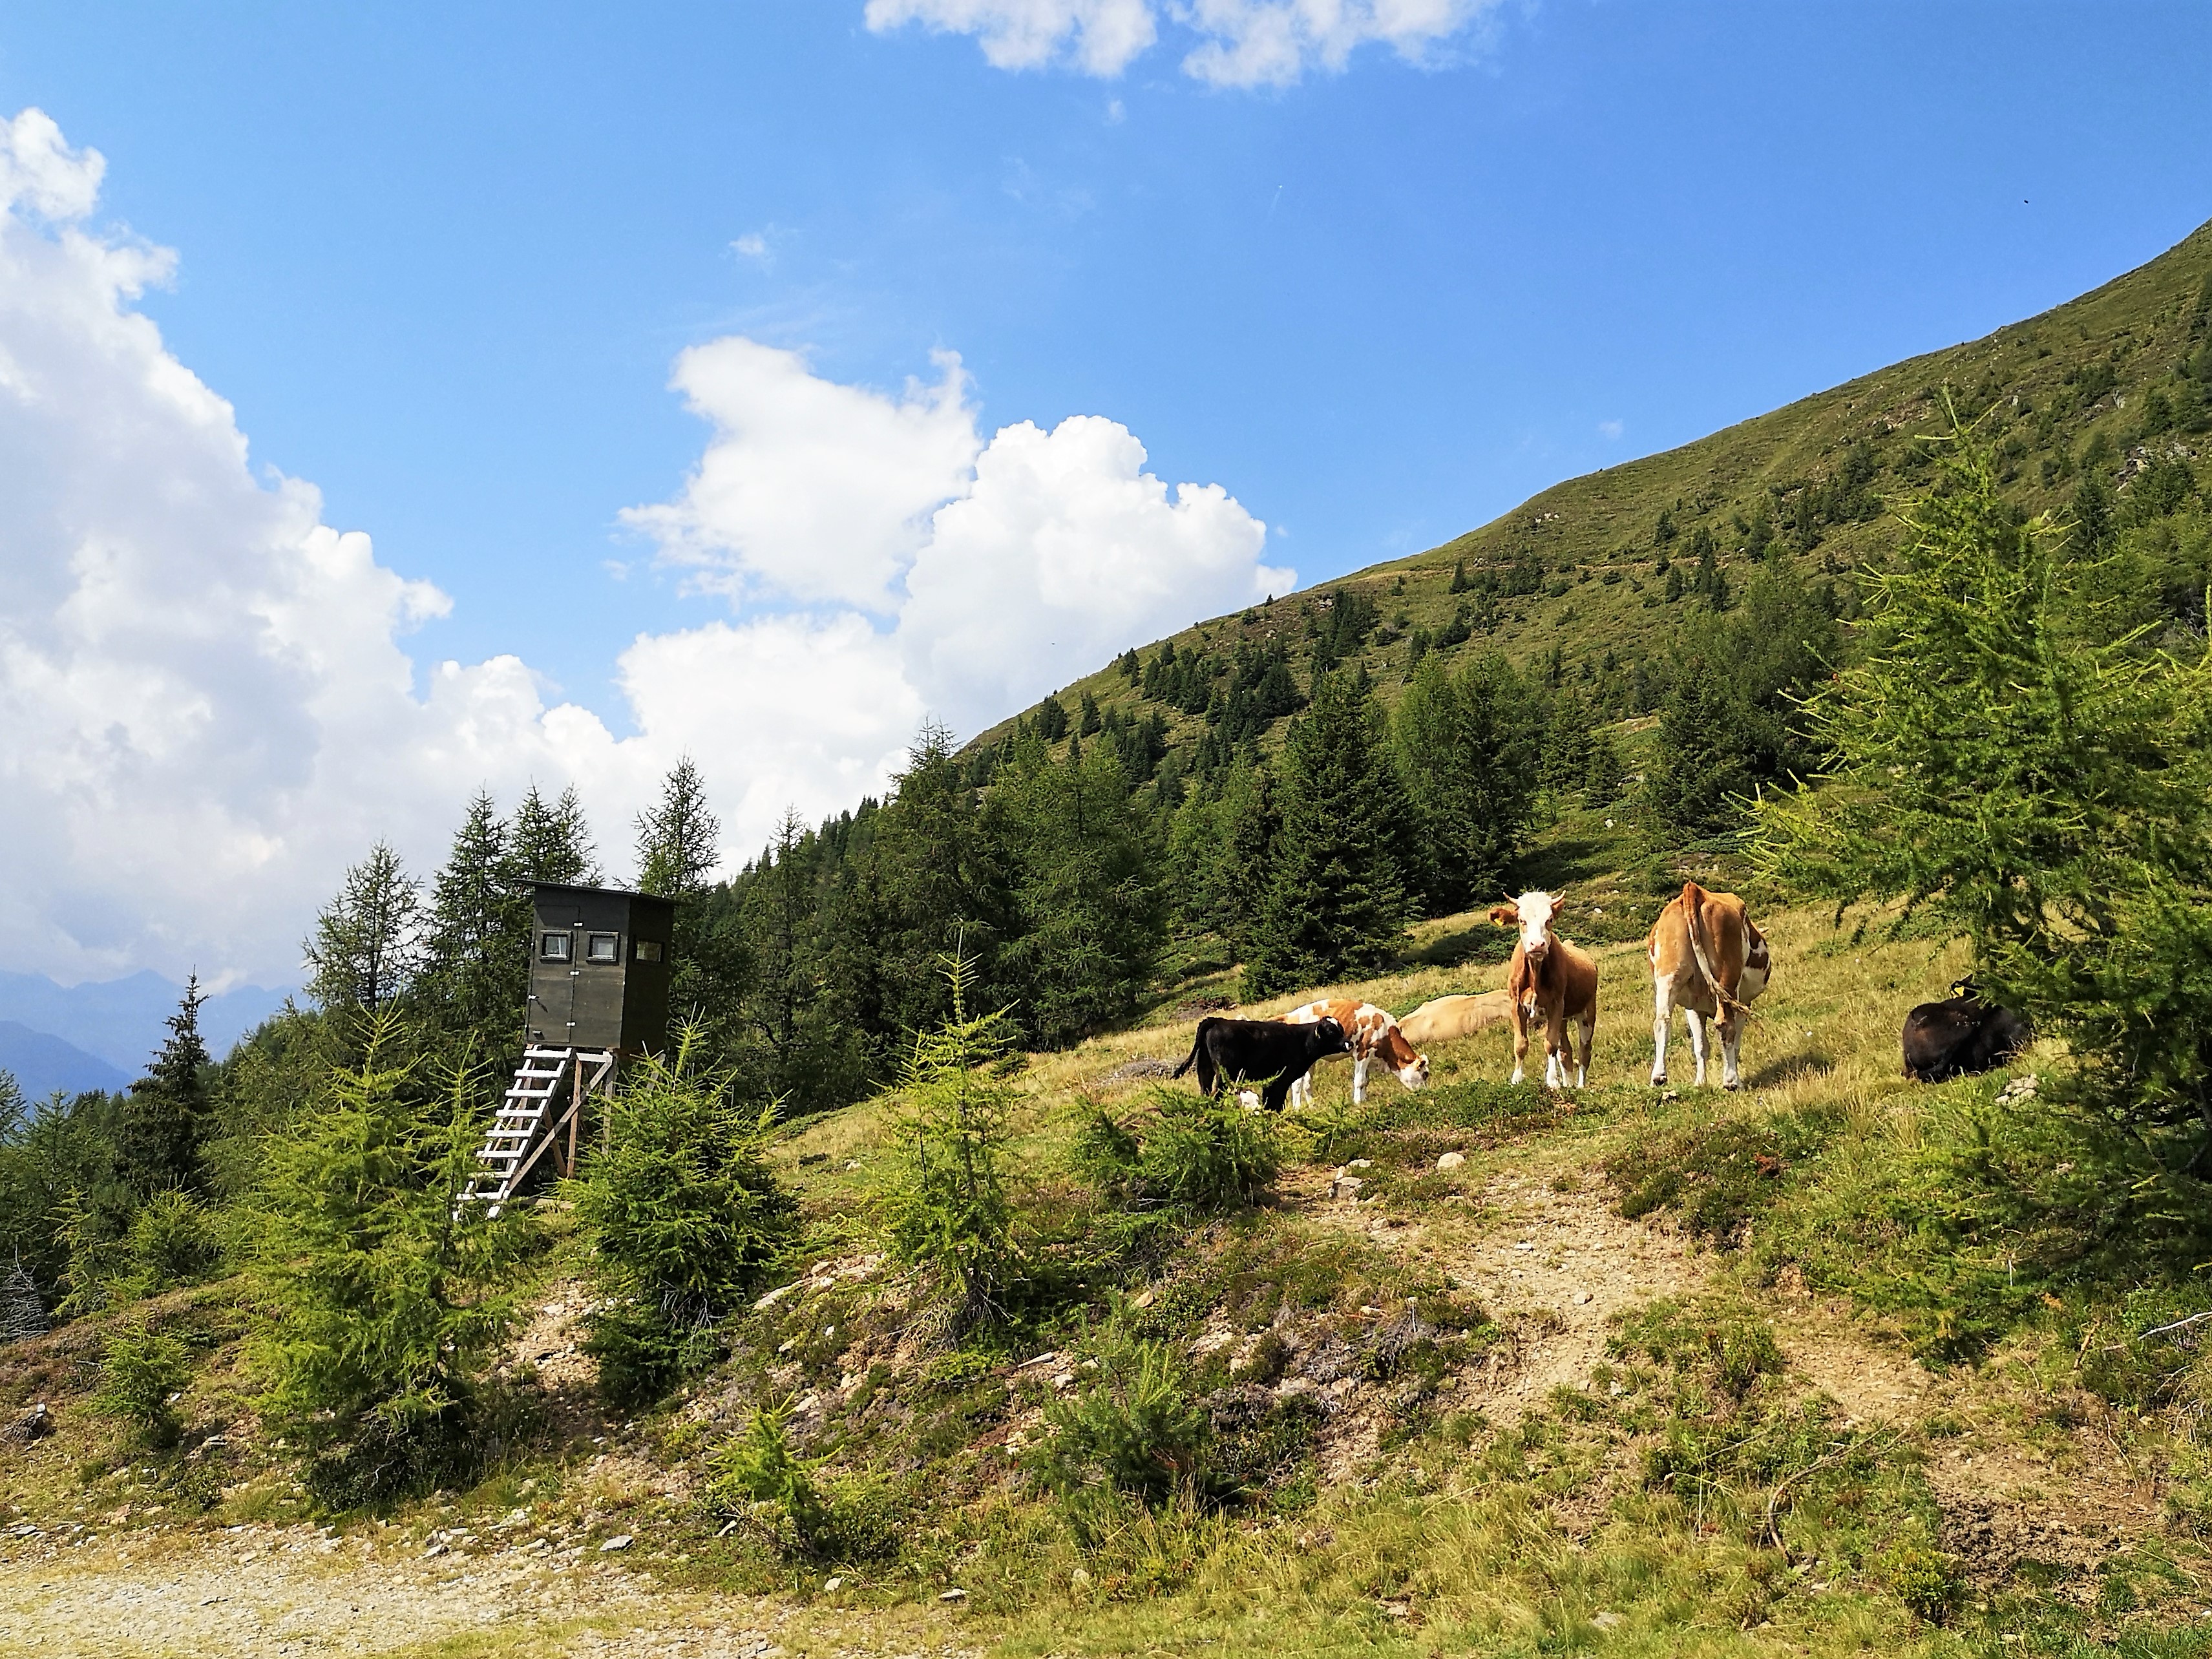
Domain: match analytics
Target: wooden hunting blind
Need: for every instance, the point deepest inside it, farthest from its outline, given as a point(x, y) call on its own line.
point(598, 993)
point(598, 971)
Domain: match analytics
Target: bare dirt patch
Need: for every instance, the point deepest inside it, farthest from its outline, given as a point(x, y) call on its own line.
point(262, 1591)
point(1551, 1268)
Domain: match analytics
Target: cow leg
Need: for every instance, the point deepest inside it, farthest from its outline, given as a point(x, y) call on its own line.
point(1302, 1093)
point(1519, 1042)
point(1276, 1093)
point(1589, 1036)
point(1663, 1019)
point(1731, 1026)
point(1555, 1033)
point(1359, 1080)
point(1696, 1021)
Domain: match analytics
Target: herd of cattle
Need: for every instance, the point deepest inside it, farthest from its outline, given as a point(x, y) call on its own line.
point(1707, 959)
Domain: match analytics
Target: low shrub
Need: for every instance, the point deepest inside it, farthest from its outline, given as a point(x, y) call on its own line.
point(684, 1216)
point(140, 1377)
point(1183, 1151)
point(1136, 1427)
point(757, 1479)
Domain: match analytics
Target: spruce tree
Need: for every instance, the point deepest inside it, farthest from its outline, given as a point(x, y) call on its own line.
point(475, 990)
point(943, 884)
point(1712, 750)
point(550, 841)
point(165, 1116)
point(1090, 911)
point(1335, 904)
point(1465, 748)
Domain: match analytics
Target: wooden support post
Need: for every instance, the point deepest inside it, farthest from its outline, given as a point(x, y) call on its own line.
point(568, 1162)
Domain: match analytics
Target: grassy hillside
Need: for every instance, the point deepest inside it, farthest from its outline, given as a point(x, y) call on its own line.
point(2102, 386)
point(1837, 1366)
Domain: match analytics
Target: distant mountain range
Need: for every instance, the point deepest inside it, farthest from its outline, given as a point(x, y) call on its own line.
point(42, 1063)
point(100, 1035)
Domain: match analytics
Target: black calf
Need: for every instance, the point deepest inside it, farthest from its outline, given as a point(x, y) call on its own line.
point(1944, 1040)
point(1256, 1050)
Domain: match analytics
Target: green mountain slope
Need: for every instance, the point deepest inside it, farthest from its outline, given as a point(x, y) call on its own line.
point(1597, 575)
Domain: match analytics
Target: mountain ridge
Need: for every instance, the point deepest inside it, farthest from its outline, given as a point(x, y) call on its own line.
point(1565, 580)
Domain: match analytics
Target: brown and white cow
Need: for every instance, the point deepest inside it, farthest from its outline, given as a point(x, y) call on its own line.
point(1447, 1020)
point(1374, 1035)
point(1550, 979)
point(1708, 960)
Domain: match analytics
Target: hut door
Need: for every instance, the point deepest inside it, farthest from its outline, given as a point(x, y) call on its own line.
point(556, 979)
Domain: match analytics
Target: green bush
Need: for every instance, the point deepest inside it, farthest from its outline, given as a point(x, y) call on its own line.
point(757, 1479)
point(173, 1240)
point(1919, 1574)
point(385, 1298)
point(1134, 1426)
point(682, 1215)
point(1185, 1151)
point(946, 1205)
point(140, 1377)
point(757, 1467)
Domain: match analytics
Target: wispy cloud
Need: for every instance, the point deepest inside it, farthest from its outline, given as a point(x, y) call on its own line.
point(1227, 43)
point(1610, 429)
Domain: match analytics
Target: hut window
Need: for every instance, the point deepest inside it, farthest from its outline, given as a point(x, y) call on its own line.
point(604, 947)
point(648, 950)
point(554, 947)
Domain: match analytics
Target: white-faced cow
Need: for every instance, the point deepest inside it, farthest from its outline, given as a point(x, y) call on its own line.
point(1263, 1051)
point(1548, 980)
point(1709, 961)
point(1375, 1036)
point(1447, 1020)
point(1963, 1034)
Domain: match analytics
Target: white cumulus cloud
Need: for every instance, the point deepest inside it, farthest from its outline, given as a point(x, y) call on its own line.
point(809, 489)
point(1001, 568)
point(1233, 43)
point(1065, 551)
point(208, 706)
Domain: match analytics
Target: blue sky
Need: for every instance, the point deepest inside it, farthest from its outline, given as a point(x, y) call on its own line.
point(442, 262)
point(441, 258)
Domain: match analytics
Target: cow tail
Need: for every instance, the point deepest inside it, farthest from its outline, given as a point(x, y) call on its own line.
point(1693, 924)
point(1191, 1059)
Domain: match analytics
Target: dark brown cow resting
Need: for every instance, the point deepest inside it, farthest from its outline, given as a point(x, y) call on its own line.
point(1960, 1035)
point(1261, 1050)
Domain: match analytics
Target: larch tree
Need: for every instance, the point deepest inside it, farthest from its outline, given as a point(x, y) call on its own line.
point(366, 948)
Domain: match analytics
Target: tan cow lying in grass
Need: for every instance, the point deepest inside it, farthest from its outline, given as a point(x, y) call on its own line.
point(1374, 1035)
point(1447, 1020)
point(1708, 960)
point(1550, 979)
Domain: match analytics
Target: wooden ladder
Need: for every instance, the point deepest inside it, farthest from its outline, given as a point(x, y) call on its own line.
point(532, 1118)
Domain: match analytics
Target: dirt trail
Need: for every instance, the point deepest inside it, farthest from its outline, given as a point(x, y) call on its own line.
point(1553, 1269)
point(294, 1591)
